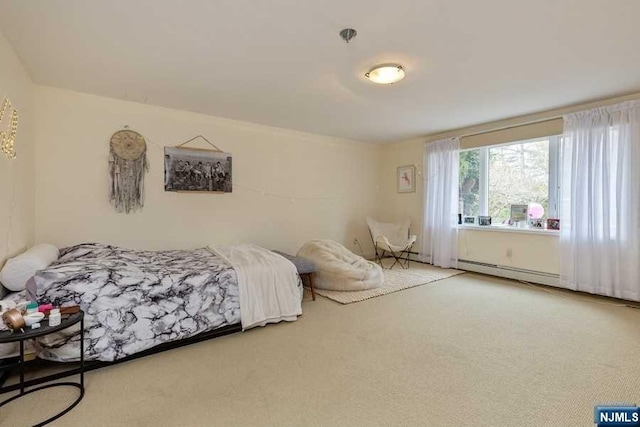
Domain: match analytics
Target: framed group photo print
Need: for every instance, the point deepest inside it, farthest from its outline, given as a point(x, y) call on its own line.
point(192, 169)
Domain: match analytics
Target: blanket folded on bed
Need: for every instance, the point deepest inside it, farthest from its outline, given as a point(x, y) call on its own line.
point(267, 284)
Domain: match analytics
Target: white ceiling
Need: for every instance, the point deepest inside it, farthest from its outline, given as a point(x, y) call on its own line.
point(282, 63)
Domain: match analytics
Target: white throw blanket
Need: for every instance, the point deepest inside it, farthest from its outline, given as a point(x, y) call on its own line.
point(267, 284)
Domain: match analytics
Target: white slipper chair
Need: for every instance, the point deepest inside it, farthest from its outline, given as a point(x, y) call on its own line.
point(339, 269)
point(393, 238)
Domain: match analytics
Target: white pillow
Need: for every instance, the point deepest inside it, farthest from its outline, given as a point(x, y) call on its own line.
point(19, 269)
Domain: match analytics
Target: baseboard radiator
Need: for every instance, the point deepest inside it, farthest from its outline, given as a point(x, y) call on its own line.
point(504, 271)
point(520, 274)
point(540, 277)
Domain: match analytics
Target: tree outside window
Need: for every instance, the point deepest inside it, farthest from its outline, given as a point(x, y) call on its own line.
point(493, 178)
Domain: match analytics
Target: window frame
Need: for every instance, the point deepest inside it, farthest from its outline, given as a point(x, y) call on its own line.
point(554, 176)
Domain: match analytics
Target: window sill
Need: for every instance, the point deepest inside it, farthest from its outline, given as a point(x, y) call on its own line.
point(509, 229)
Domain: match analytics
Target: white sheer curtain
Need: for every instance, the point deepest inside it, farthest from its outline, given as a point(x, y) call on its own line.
point(600, 190)
point(440, 232)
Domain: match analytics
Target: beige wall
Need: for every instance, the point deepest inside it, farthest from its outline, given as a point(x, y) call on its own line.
point(16, 176)
point(527, 251)
point(534, 252)
point(516, 250)
point(396, 206)
point(72, 149)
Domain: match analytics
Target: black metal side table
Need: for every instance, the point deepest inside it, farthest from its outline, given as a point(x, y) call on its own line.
point(46, 329)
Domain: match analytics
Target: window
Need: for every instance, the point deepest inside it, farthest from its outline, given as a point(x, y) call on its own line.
point(495, 177)
point(470, 182)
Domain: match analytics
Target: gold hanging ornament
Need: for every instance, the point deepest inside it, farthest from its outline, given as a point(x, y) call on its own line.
point(7, 142)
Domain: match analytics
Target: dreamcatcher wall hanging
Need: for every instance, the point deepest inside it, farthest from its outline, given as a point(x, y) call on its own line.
point(8, 138)
point(127, 166)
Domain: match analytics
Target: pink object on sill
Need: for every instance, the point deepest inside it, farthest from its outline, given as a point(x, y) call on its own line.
point(536, 211)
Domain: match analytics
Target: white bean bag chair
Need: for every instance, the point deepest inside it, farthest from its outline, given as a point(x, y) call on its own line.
point(339, 269)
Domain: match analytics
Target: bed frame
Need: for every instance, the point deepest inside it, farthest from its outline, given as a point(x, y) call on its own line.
point(7, 365)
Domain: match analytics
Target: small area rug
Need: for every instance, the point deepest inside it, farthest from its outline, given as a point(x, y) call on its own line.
point(394, 280)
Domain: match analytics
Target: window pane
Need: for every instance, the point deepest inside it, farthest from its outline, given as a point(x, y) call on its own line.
point(518, 174)
point(469, 182)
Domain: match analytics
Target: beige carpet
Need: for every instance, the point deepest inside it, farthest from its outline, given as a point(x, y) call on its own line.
point(395, 280)
point(464, 351)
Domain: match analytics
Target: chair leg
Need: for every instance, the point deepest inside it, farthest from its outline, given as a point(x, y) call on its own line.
point(313, 291)
point(381, 257)
point(405, 257)
point(397, 258)
point(377, 256)
point(402, 256)
point(408, 252)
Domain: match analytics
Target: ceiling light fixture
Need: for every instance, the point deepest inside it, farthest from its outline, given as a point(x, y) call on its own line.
point(347, 34)
point(386, 74)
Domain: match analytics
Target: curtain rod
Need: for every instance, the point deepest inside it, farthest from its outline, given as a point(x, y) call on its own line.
point(497, 129)
point(540, 117)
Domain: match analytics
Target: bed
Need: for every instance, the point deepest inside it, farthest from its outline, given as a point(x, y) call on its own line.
point(137, 300)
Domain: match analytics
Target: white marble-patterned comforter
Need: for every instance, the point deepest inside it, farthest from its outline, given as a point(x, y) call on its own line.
point(135, 300)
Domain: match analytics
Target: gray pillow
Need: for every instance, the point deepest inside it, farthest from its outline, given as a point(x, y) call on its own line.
point(303, 265)
point(31, 289)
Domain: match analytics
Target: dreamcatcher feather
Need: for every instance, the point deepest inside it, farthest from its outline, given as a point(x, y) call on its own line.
point(127, 166)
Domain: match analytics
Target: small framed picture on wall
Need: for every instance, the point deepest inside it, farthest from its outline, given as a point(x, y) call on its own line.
point(407, 179)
